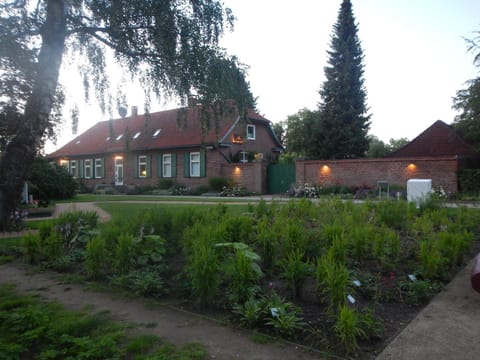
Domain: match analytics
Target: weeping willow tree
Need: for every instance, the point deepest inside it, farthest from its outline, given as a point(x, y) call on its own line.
point(170, 45)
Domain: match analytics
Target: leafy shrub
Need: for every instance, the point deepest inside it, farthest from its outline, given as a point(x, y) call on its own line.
point(295, 270)
point(469, 180)
point(218, 183)
point(419, 292)
point(165, 184)
point(199, 190)
point(146, 282)
point(282, 317)
point(49, 181)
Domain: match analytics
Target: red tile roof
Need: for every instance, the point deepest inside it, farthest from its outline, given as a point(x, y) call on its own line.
point(439, 139)
point(175, 132)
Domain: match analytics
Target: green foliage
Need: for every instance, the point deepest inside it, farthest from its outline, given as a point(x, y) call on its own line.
point(372, 327)
point(218, 183)
point(348, 329)
point(342, 130)
point(295, 270)
point(467, 101)
point(244, 272)
point(469, 180)
point(95, 262)
point(50, 182)
point(419, 292)
point(267, 242)
point(333, 283)
point(123, 259)
point(31, 246)
point(32, 329)
point(281, 317)
point(203, 265)
point(299, 134)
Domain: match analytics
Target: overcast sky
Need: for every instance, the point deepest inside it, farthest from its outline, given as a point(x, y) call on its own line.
point(415, 58)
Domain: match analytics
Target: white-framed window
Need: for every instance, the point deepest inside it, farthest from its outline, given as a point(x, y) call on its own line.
point(195, 164)
point(142, 166)
point(98, 168)
point(74, 168)
point(87, 168)
point(167, 165)
point(243, 156)
point(251, 132)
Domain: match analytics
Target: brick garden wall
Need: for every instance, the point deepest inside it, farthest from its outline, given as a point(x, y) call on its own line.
point(252, 176)
point(367, 172)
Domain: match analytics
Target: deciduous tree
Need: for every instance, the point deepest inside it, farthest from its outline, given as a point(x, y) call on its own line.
point(170, 45)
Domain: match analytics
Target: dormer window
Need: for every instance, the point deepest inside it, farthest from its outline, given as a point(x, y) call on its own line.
point(119, 137)
point(157, 132)
point(136, 135)
point(251, 132)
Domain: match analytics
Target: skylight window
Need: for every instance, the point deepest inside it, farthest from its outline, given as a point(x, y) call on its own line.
point(119, 137)
point(136, 135)
point(157, 132)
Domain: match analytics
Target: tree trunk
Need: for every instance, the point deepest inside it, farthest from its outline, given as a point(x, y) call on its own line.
point(20, 152)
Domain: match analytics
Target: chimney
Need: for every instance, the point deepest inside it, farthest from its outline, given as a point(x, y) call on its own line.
point(134, 111)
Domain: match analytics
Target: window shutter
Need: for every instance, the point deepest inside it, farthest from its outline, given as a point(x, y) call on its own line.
point(174, 165)
point(186, 164)
point(80, 169)
point(93, 168)
point(149, 166)
point(159, 165)
point(135, 167)
point(102, 173)
point(203, 163)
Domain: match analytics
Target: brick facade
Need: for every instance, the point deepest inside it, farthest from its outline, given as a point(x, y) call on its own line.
point(367, 172)
point(252, 176)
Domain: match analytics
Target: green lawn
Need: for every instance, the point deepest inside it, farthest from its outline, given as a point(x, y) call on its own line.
point(126, 210)
point(108, 198)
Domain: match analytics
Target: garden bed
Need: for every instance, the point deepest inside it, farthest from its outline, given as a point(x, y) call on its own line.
point(339, 277)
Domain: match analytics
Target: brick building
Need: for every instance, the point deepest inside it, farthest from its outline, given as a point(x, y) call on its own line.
point(140, 150)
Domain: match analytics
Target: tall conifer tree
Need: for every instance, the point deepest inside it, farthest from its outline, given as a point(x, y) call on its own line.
point(343, 124)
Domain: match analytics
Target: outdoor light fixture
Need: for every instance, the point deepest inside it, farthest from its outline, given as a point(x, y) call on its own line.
point(325, 170)
point(118, 157)
point(236, 170)
point(411, 167)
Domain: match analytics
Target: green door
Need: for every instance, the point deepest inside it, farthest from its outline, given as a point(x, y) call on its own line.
point(280, 177)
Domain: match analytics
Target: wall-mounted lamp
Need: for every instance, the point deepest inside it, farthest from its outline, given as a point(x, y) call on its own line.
point(237, 170)
point(411, 167)
point(325, 170)
point(118, 157)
